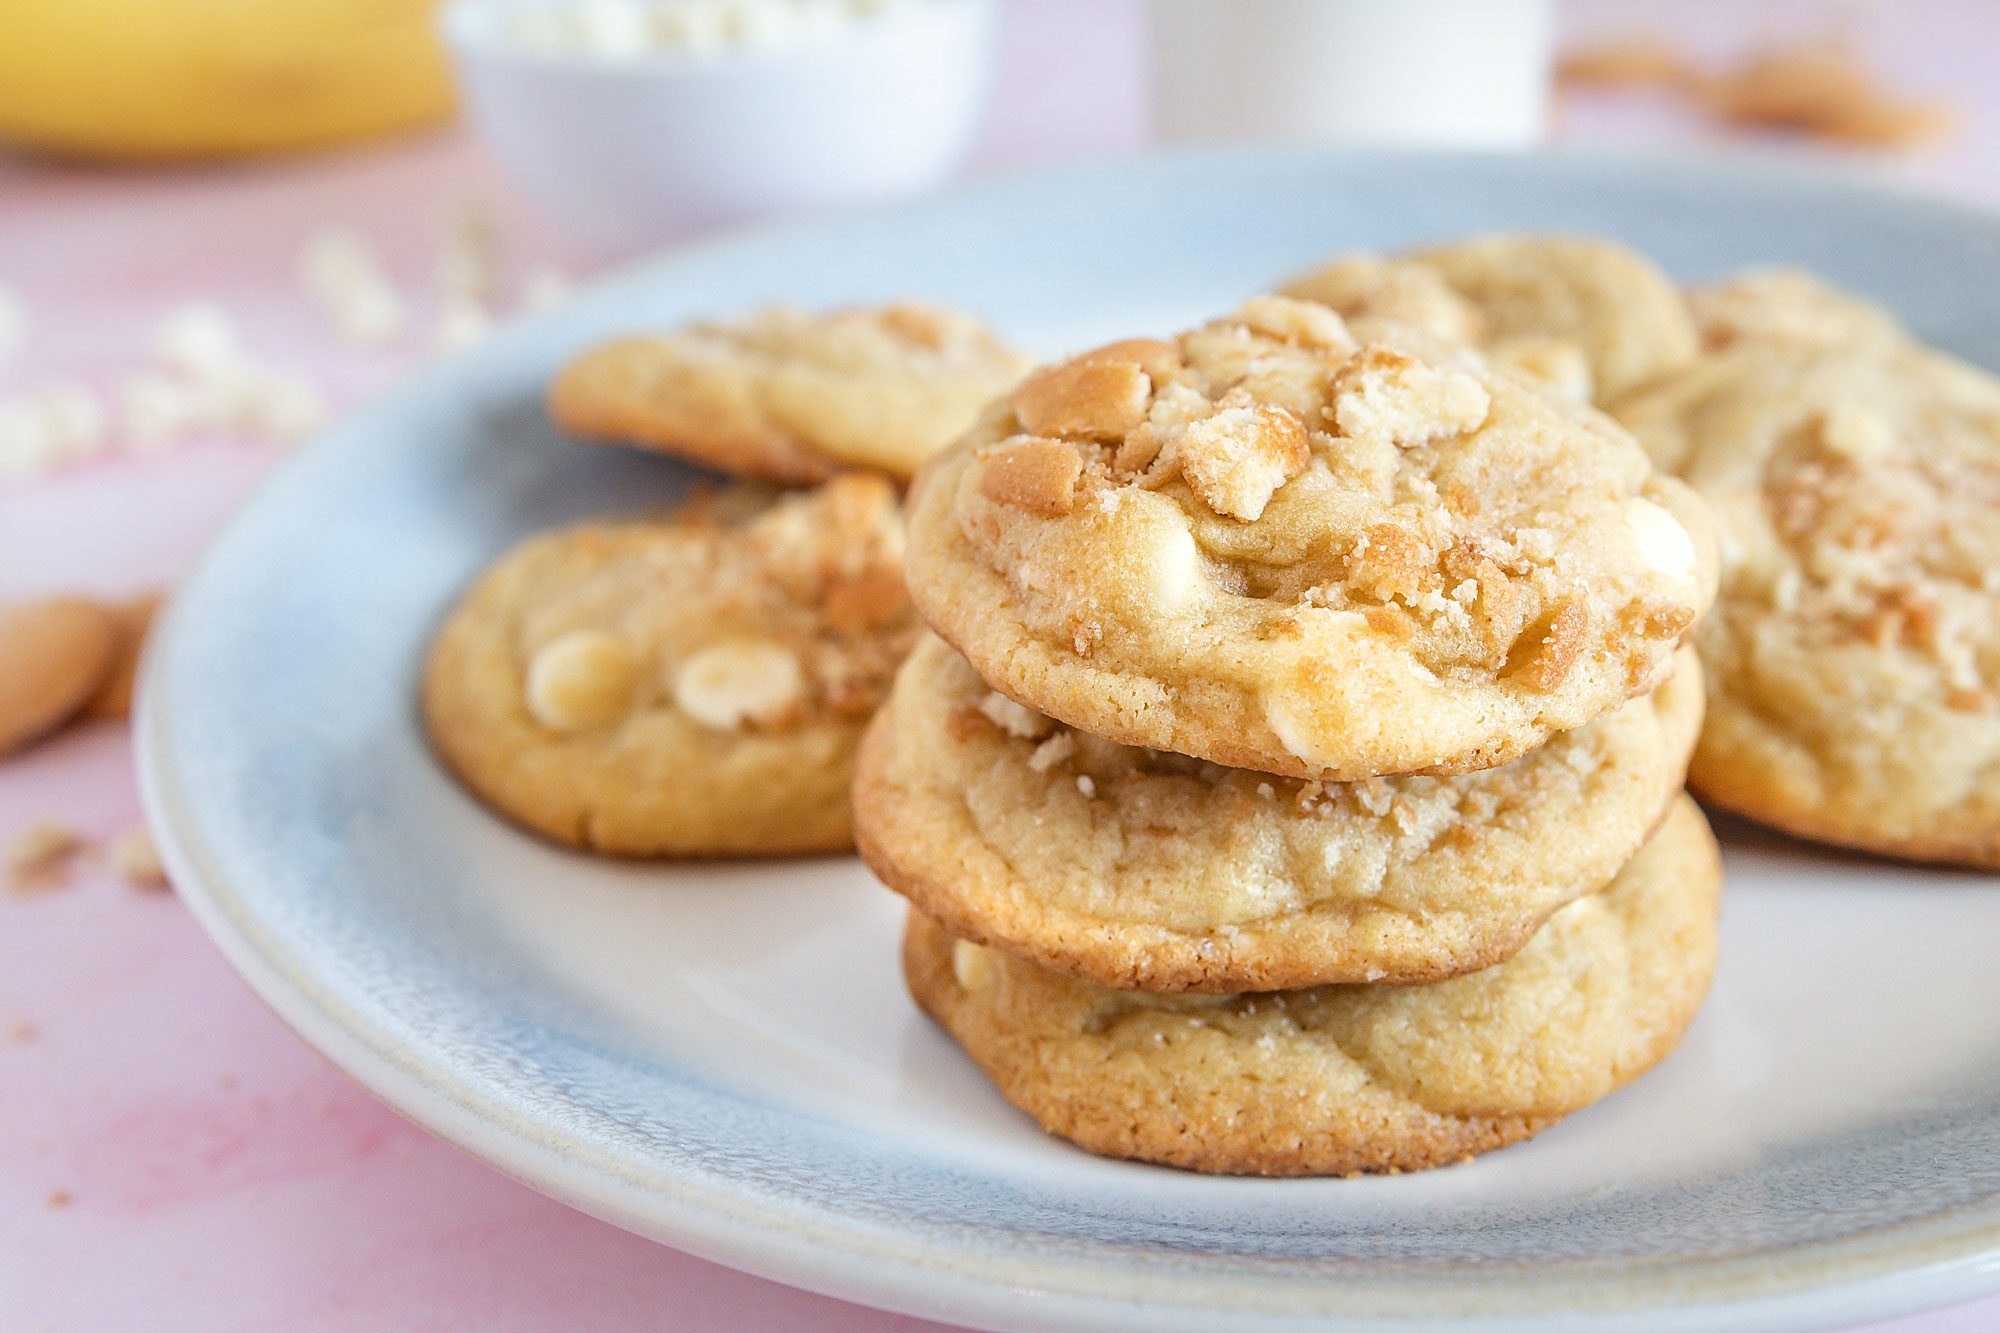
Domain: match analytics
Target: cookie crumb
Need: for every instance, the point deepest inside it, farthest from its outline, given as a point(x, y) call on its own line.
point(1013, 718)
point(40, 856)
point(1551, 652)
point(1381, 394)
point(61, 1198)
point(22, 1031)
point(1033, 474)
point(1097, 398)
point(1237, 459)
point(1052, 751)
point(137, 860)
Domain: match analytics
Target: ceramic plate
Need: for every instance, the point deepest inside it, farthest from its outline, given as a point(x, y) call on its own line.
point(722, 1057)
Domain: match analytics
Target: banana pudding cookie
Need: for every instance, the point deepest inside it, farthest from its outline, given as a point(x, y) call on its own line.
point(1345, 1079)
point(1788, 304)
point(695, 685)
point(791, 396)
point(1523, 299)
point(1854, 657)
point(1267, 547)
point(1134, 868)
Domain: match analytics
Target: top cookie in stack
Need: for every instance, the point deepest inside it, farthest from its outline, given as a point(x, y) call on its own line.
point(1269, 546)
point(1300, 661)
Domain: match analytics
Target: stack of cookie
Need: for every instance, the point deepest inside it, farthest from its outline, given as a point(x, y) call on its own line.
point(1280, 667)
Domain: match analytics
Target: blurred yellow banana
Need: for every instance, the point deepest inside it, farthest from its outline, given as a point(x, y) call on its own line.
point(153, 79)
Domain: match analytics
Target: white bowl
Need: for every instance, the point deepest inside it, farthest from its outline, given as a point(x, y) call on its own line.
point(623, 154)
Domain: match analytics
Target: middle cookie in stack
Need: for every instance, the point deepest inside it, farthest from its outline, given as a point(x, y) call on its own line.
point(1321, 564)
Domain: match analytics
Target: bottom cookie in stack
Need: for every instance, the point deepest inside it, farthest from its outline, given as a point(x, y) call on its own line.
point(1344, 1079)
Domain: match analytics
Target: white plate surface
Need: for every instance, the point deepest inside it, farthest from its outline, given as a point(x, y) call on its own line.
point(723, 1058)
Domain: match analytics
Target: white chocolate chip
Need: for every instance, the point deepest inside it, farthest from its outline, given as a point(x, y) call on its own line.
point(583, 679)
point(738, 681)
point(200, 342)
point(972, 965)
point(345, 277)
point(1661, 540)
point(1173, 570)
point(1290, 731)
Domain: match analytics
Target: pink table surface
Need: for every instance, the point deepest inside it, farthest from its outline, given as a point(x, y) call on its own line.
point(170, 1156)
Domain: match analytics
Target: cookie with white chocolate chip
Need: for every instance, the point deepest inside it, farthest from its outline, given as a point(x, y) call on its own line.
point(1528, 301)
point(695, 685)
point(793, 396)
point(1137, 869)
point(1854, 656)
point(1338, 1080)
point(1264, 545)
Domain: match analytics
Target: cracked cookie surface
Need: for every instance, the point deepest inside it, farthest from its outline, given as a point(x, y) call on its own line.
point(1263, 545)
point(1133, 868)
point(1854, 656)
point(693, 685)
point(1339, 1080)
point(792, 396)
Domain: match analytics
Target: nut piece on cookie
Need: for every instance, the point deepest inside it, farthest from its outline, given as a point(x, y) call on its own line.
point(693, 684)
point(791, 396)
point(1308, 557)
